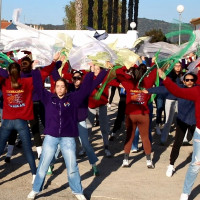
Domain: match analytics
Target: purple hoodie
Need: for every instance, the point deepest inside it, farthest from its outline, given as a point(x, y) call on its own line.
point(61, 115)
point(83, 108)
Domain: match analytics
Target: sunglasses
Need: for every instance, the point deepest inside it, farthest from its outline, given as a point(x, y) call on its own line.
point(75, 78)
point(187, 80)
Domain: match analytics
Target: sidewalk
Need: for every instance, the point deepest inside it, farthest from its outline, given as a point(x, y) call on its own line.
point(114, 183)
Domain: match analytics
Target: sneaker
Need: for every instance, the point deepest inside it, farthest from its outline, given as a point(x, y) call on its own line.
point(150, 164)
point(50, 170)
point(82, 153)
point(80, 197)
point(109, 106)
point(7, 160)
point(125, 163)
point(108, 154)
point(33, 179)
point(32, 195)
point(170, 171)
point(112, 136)
point(95, 170)
point(158, 131)
point(184, 196)
point(134, 150)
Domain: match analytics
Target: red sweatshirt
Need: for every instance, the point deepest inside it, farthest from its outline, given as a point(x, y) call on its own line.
point(192, 94)
point(18, 103)
point(93, 103)
point(136, 101)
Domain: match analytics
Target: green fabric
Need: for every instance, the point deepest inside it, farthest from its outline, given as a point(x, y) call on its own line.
point(110, 77)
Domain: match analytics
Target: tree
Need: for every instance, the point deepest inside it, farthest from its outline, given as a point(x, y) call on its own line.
point(90, 12)
point(157, 35)
point(136, 7)
point(100, 14)
point(79, 14)
point(123, 17)
point(109, 16)
point(70, 22)
point(130, 13)
point(115, 16)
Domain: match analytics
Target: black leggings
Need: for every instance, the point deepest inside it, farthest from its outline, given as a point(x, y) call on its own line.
point(39, 114)
point(181, 129)
point(112, 94)
point(120, 114)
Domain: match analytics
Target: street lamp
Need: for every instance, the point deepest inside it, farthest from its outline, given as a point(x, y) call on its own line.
point(132, 25)
point(180, 9)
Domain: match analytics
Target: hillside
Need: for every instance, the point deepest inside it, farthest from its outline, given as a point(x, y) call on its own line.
point(143, 26)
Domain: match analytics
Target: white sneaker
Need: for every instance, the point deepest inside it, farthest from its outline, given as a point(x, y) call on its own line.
point(158, 131)
point(109, 106)
point(80, 197)
point(170, 170)
point(184, 196)
point(125, 163)
point(32, 195)
point(150, 164)
point(108, 154)
point(134, 150)
point(33, 179)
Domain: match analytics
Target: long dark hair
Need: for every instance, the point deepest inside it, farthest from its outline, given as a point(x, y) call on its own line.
point(137, 72)
point(14, 71)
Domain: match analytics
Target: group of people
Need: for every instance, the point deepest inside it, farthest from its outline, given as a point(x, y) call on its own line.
point(69, 109)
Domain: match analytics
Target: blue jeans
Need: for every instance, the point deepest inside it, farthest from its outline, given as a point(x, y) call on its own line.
point(160, 107)
point(170, 108)
point(103, 121)
point(194, 166)
point(68, 149)
point(83, 134)
point(21, 126)
point(136, 138)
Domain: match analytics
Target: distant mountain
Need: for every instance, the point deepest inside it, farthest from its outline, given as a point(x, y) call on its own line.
point(144, 25)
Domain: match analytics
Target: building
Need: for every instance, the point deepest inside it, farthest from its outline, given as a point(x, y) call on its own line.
point(8, 25)
point(196, 23)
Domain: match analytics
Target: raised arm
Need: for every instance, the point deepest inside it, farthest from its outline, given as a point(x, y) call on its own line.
point(99, 79)
point(38, 85)
point(85, 89)
point(46, 71)
point(55, 73)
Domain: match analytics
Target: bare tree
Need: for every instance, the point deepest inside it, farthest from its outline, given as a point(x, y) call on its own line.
point(79, 14)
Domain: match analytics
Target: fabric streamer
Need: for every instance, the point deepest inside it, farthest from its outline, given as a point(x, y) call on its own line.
point(168, 64)
point(96, 52)
point(110, 77)
point(5, 60)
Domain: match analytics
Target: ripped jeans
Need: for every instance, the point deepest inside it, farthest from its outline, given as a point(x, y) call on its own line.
point(194, 166)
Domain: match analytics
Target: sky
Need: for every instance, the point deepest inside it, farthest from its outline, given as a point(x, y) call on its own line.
point(53, 11)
